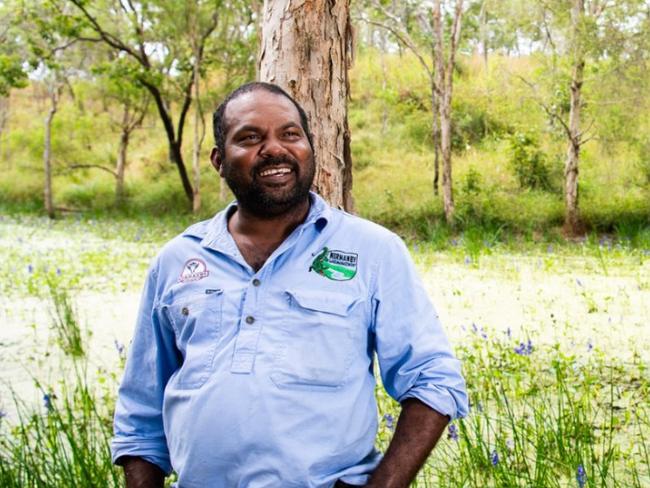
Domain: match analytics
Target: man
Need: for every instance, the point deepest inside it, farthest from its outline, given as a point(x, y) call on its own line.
point(253, 357)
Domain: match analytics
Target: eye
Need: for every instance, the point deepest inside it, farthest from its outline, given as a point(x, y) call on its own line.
point(292, 133)
point(249, 138)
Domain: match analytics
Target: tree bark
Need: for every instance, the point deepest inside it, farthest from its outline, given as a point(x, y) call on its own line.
point(4, 118)
point(445, 77)
point(435, 136)
point(307, 50)
point(573, 224)
point(47, 151)
point(120, 168)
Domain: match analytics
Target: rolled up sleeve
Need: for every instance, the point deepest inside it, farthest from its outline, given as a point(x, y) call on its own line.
point(153, 357)
point(414, 354)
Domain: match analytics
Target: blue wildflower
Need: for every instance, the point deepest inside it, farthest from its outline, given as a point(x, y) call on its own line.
point(590, 345)
point(454, 242)
point(58, 271)
point(388, 418)
point(578, 282)
point(30, 268)
point(47, 401)
point(581, 476)
point(474, 327)
point(508, 332)
point(524, 349)
point(3, 414)
point(494, 458)
point(452, 432)
point(468, 260)
point(549, 249)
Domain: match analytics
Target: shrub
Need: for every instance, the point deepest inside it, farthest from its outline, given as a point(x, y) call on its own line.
point(529, 163)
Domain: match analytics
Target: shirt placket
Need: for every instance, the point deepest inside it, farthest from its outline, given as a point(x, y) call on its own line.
point(251, 320)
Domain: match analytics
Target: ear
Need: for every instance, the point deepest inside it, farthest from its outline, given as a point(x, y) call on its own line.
point(215, 159)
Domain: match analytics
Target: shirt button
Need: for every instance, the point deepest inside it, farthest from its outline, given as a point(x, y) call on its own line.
point(250, 319)
point(185, 311)
point(256, 282)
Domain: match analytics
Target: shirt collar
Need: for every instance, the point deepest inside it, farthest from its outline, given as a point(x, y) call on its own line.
point(214, 232)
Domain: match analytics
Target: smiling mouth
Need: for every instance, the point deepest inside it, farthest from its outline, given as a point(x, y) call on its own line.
point(275, 171)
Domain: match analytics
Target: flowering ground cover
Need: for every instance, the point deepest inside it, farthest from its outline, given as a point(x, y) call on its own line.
point(554, 339)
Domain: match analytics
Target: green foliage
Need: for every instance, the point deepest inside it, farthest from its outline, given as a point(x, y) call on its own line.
point(529, 163)
point(11, 73)
point(471, 125)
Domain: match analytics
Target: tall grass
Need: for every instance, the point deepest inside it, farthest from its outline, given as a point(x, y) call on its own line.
point(542, 417)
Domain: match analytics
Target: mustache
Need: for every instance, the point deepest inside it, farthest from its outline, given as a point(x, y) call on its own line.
point(275, 161)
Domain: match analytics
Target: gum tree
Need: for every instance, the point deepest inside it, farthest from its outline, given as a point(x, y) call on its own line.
point(306, 48)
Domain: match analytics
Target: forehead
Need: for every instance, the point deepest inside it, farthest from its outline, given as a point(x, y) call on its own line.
point(260, 107)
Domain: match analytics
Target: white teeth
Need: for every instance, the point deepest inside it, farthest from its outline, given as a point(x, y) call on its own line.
point(275, 171)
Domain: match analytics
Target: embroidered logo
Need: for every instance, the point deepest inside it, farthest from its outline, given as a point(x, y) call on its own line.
point(335, 265)
point(193, 270)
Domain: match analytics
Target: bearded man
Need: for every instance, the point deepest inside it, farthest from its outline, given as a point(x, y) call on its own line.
point(253, 359)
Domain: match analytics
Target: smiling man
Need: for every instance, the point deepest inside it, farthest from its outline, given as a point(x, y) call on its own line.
point(253, 357)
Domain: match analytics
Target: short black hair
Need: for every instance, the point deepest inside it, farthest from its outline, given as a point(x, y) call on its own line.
point(219, 120)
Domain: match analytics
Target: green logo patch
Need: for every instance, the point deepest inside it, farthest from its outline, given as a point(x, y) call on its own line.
point(335, 265)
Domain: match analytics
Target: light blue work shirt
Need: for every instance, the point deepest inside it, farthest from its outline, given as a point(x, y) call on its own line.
point(239, 378)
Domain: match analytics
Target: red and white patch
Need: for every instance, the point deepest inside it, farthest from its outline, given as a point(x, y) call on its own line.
point(193, 270)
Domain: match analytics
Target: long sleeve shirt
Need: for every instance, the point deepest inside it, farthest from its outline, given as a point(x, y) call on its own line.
point(244, 378)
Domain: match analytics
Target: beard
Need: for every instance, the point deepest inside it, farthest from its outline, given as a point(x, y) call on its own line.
point(266, 200)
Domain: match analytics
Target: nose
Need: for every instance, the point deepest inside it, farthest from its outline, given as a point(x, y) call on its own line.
point(272, 147)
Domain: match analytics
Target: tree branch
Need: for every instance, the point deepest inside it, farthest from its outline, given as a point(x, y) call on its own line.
point(91, 166)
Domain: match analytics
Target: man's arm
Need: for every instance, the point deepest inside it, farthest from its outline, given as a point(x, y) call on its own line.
point(141, 474)
point(418, 429)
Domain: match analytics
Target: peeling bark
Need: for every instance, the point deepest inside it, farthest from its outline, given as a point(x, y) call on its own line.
point(307, 50)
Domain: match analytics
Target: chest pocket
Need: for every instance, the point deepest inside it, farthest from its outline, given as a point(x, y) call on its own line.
point(197, 324)
point(319, 341)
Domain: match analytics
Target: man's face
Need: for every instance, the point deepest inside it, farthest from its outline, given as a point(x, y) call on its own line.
point(268, 163)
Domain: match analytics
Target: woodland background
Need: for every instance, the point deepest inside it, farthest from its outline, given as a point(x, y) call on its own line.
point(508, 142)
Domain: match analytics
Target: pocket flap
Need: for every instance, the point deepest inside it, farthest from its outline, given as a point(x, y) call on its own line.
point(324, 301)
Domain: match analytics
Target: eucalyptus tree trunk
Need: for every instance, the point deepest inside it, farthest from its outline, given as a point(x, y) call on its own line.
point(198, 139)
point(445, 76)
point(307, 50)
point(47, 150)
point(572, 222)
point(4, 118)
point(120, 168)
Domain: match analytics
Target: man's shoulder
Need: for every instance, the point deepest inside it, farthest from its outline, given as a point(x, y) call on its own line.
point(189, 238)
point(360, 228)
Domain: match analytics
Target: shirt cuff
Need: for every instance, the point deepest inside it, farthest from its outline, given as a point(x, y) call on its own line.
point(445, 401)
point(151, 450)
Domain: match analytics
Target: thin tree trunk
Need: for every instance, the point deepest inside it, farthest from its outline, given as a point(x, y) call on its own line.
point(445, 73)
point(4, 118)
point(47, 151)
point(307, 50)
point(120, 168)
point(435, 135)
point(483, 33)
point(572, 222)
point(196, 149)
point(174, 138)
point(445, 149)
point(384, 76)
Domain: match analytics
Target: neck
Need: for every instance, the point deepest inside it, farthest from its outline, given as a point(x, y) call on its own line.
point(268, 229)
